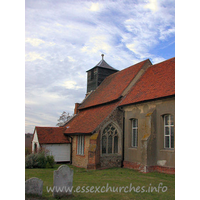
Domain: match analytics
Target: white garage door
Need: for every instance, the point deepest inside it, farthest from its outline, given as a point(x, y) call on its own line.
point(61, 152)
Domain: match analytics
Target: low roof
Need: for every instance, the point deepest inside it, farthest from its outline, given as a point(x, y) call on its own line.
point(157, 82)
point(51, 135)
point(113, 86)
point(86, 121)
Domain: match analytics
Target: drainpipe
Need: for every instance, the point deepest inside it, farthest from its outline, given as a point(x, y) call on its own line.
point(122, 165)
point(71, 149)
point(123, 132)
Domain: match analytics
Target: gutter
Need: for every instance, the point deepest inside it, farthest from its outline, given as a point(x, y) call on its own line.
point(74, 134)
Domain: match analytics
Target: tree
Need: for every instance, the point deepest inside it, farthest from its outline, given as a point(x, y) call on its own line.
point(65, 117)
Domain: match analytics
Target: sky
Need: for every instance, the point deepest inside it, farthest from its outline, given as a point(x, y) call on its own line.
point(63, 39)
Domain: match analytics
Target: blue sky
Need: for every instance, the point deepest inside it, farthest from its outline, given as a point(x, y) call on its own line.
point(63, 39)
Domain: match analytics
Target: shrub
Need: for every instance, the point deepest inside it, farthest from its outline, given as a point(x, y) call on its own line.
point(50, 161)
point(41, 159)
point(31, 161)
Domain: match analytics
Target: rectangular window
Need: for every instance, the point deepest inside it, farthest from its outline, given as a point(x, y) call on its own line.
point(134, 132)
point(80, 145)
point(168, 131)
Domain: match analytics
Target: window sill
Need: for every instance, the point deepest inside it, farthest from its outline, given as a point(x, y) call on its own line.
point(168, 150)
point(133, 148)
point(107, 155)
point(80, 155)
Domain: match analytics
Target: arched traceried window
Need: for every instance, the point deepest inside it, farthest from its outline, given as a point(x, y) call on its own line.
point(110, 140)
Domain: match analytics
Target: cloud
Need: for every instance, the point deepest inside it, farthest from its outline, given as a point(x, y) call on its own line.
point(152, 5)
point(34, 41)
point(146, 29)
point(71, 85)
point(95, 7)
point(97, 44)
point(166, 33)
point(71, 59)
point(66, 38)
point(32, 56)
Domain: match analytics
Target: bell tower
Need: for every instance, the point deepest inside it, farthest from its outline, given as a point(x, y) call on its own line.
point(98, 73)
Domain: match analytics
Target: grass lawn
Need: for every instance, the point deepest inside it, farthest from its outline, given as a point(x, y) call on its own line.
point(115, 177)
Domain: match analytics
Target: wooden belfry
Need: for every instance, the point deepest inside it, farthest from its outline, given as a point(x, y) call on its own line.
point(98, 73)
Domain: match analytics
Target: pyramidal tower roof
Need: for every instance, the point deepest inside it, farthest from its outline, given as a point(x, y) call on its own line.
point(104, 64)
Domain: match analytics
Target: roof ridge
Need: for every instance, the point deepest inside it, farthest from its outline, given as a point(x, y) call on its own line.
point(134, 64)
point(47, 127)
point(137, 76)
point(163, 61)
point(126, 76)
point(148, 70)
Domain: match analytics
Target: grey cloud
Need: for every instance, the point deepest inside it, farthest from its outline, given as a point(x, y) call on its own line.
point(66, 28)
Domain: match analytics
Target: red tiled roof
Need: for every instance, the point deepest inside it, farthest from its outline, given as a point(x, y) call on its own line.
point(51, 135)
point(113, 86)
point(87, 120)
point(158, 81)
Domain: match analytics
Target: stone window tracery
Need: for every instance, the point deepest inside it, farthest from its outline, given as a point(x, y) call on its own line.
point(110, 138)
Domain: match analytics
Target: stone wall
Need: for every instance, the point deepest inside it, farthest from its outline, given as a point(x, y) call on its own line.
point(150, 153)
point(112, 160)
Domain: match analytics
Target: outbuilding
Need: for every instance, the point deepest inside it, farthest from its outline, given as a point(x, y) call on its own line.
point(52, 140)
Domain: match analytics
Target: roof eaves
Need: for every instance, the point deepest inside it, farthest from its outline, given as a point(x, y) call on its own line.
point(77, 133)
point(146, 100)
point(101, 104)
point(113, 69)
point(67, 142)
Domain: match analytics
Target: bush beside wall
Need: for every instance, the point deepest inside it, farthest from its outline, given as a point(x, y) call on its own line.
point(39, 160)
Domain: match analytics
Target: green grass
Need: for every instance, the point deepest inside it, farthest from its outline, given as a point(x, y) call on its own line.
point(115, 177)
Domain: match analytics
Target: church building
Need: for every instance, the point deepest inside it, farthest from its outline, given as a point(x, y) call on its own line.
point(127, 118)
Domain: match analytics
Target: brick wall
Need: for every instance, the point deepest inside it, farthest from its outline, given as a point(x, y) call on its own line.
point(145, 169)
point(94, 153)
point(80, 160)
point(166, 170)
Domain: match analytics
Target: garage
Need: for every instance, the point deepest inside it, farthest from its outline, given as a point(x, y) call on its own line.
point(52, 140)
point(61, 152)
